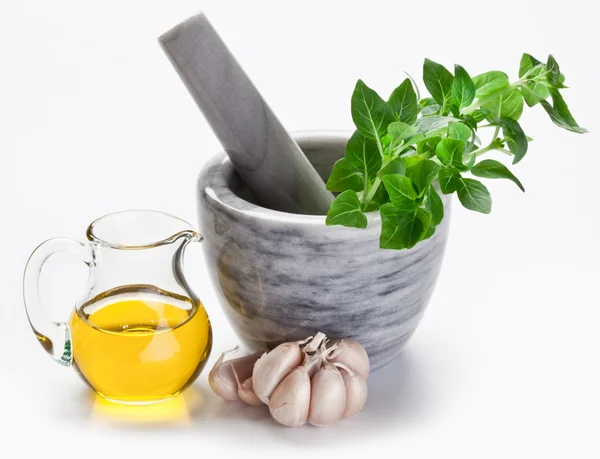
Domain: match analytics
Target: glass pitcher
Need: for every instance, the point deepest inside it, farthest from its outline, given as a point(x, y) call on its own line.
point(139, 334)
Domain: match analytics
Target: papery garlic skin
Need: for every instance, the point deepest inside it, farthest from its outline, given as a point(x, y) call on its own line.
point(356, 391)
point(222, 379)
point(290, 402)
point(328, 396)
point(271, 369)
point(351, 353)
point(315, 343)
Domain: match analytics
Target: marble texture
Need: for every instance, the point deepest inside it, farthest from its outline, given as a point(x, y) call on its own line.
point(264, 153)
point(283, 277)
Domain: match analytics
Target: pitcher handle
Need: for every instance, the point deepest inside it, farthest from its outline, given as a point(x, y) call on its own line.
point(55, 337)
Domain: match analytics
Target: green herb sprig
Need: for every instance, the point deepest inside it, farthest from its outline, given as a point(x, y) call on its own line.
point(408, 149)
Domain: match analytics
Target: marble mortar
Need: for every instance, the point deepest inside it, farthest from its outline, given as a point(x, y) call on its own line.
point(283, 277)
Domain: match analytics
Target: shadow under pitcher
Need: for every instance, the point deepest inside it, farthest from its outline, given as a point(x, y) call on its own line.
point(139, 334)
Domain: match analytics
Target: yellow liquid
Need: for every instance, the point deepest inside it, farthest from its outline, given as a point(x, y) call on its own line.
point(140, 346)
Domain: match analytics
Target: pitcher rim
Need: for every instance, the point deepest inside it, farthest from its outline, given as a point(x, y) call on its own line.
point(93, 237)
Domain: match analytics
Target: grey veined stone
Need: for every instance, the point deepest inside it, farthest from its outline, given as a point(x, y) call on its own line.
point(283, 276)
point(263, 152)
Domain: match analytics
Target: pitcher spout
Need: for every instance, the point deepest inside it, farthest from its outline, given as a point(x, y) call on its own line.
point(187, 236)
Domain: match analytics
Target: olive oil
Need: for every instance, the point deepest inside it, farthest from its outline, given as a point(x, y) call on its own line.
point(140, 344)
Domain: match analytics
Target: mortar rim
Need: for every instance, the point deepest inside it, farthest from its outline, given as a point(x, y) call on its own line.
point(211, 184)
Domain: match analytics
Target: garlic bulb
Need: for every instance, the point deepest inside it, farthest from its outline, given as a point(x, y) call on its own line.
point(222, 379)
point(313, 381)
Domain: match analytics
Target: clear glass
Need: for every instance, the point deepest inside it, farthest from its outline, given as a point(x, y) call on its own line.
point(139, 334)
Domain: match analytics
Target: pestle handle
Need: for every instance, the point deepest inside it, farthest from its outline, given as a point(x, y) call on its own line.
point(266, 157)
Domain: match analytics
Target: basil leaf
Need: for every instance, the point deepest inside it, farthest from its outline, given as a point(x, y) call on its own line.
point(473, 195)
point(411, 161)
point(402, 229)
point(554, 76)
point(463, 88)
point(448, 179)
point(432, 123)
point(401, 131)
point(399, 188)
point(557, 119)
point(346, 211)
point(489, 168)
point(426, 148)
point(450, 152)
point(479, 115)
point(380, 198)
point(428, 102)
point(529, 96)
point(344, 177)
point(430, 110)
point(540, 90)
point(533, 92)
point(430, 232)
point(454, 110)
point(563, 110)
point(470, 122)
point(395, 166)
point(428, 106)
point(362, 153)
point(517, 140)
point(438, 81)
point(422, 173)
point(459, 131)
point(386, 140)
point(506, 105)
point(528, 62)
point(560, 114)
point(370, 113)
point(390, 237)
point(490, 82)
point(403, 102)
point(435, 205)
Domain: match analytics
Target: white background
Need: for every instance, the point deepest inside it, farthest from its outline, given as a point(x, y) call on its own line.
point(93, 119)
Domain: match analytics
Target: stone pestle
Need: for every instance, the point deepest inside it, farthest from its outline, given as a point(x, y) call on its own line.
point(262, 151)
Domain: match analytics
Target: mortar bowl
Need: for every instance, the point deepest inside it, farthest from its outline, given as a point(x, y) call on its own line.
point(283, 277)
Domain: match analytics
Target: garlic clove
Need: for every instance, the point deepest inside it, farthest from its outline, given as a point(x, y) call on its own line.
point(290, 402)
point(328, 396)
point(222, 379)
point(350, 353)
point(221, 382)
point(356, 391)
point(246, 392)
point(271, 369)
